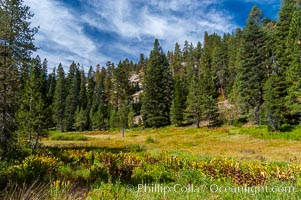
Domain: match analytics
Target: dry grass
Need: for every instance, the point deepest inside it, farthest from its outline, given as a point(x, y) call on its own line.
point(220, 142)
point(38, 191)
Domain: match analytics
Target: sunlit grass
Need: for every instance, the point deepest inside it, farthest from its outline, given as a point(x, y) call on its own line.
point(248, 143)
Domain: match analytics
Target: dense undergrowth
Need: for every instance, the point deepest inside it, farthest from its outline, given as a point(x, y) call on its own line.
point(55, 173)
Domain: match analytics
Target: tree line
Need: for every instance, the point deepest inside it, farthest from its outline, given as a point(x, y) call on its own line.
point(250, 75)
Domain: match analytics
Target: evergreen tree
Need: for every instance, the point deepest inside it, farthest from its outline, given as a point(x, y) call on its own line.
point(294, 70)
point(252, 70)
point(90, 91)
point(121, 84)
point(273, 108)
point(108, 94)
point(44, 77)
point(72, 99)
point(59, 99)
point(233, 46)
point(220, 64)
point(175, 64)
point(16, 46)
point(97, 112)
point(274, 90)
point(131, 116)
point(283, 25)
point(80, 119)
point(113, 121)
point(195, 101)
point(208, 97)
point(51, 82)
point(186, 48)
point(141, 63)
point(81, 114)
point(158, 88)
point(123, 114)
point(32, 115)
point(178, 105)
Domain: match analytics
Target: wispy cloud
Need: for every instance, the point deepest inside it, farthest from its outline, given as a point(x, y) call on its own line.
point(170, 21)
point(61, 37)
point(95, 31)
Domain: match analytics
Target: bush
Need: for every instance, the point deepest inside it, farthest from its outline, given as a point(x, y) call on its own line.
point(240, 120)
point(286, 128)
point(36, 167)
point(150, 140)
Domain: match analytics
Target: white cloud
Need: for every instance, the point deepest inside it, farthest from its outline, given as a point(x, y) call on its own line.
point(62, 37)
point(131, 19)
point(62, 30)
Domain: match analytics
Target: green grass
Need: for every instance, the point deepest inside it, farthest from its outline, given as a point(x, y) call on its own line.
point(180, 156)
point(245, 143)
point(293, 133)
point(106, 165)
point(68, 136)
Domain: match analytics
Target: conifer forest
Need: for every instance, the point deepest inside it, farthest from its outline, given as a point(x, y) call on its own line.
point(243, 81)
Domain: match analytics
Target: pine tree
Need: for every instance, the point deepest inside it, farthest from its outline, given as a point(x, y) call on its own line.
point(16, 46)
point(81, 115)
point(178, 105)
point(219, 64)
point(51, 82)
point(32, 115)
point(176, 60)
point(113, 121)
point(97, 112)
point(141, 63)
point(208, 78)
point(208, 97)
point(59, 99)
point(90, 91)
point(233, 44)
point(273, 108)
point(158, 88)
point(72, 99)
point(122, 115)
point(283, 25)
point(274, 90)
point(195, 101)
point(252, 70)
point(80, 119)
point(121, 84)
point(294, 70)
point(108, 94)
point(131, 116)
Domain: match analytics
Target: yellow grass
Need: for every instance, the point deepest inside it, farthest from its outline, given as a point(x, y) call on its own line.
point(220, 142)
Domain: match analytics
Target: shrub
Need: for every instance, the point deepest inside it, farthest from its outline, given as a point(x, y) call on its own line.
point(150, 140)
point(35, 167)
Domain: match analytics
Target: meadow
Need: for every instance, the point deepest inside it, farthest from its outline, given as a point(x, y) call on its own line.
point(165, 163)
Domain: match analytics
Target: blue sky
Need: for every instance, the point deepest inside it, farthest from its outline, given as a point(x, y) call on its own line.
point(93, 32)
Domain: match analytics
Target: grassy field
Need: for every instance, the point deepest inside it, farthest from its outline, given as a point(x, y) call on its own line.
point(166, 163)
point(247, 143)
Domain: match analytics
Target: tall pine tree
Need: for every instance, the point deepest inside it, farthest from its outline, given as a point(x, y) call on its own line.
point(16, 46)
point(157, 88)
point(32, 113)
point(252, 69)
point(59, 99)
point(294, 70)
